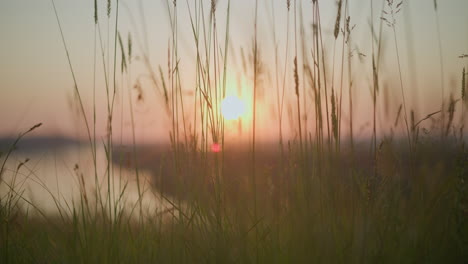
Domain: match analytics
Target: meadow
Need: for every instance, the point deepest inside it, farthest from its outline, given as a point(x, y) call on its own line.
point(317, 191)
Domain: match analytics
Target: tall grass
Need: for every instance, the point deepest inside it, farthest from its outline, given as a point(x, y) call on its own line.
point(329, 200)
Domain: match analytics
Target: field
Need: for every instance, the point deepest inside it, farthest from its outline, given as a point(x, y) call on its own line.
point(285, 174)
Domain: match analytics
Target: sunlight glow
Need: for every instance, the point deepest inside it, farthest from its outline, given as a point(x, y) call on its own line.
point(232, 108)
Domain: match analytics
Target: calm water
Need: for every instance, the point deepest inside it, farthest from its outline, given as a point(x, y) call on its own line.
point(55, 178)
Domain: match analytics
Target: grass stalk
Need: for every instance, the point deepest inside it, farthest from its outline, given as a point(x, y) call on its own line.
point(254, 117)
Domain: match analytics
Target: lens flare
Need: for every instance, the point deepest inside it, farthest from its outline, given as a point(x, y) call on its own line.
point(215, 147)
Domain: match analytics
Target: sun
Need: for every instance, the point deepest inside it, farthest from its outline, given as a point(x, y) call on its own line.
point(232, 108)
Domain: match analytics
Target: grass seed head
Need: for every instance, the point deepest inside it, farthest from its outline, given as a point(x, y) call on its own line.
point(213, 6)
point(463, 88)
point(95, 12)
point(296, 77)
point(34, 127)
point(166, 97)
point(334, 116)
point(129, 48)
point(398, 115)
point(124, 61)
point(451, 111)
point(338, 18)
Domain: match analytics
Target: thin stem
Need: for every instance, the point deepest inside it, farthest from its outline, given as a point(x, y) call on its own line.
point(254, 181)
point(401, 87)
point(74, 78)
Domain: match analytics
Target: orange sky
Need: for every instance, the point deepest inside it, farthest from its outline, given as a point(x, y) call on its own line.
point(36, 84)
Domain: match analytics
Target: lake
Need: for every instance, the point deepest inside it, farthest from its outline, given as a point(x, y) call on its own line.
point(55, 176)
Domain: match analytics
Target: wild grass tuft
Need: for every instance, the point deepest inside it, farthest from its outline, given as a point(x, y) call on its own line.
point(321, 196)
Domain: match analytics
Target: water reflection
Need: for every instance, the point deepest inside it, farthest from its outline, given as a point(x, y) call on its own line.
point(56, 180)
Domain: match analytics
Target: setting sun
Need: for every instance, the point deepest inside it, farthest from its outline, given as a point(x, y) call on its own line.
point(232, 107)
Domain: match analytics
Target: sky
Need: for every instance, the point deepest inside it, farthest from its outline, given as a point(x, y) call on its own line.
point(36, 84)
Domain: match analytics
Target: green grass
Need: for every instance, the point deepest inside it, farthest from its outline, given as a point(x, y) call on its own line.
point(317, 197)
